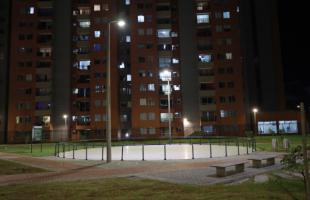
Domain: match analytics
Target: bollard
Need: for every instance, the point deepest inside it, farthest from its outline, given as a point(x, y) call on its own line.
point(238, 148)
point(122, 157)
point(31, 147)
point(41, 147)
point(86, 153)
point(142, 152)
point(210, 150)
point(102, 152)
point(165, 152)
point(225, 149)
point(193, 153)
point(247, 147)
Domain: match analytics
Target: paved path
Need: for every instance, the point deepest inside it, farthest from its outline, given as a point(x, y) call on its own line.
point(196, 171)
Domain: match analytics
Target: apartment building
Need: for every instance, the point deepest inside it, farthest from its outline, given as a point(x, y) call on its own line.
point(4, 48)
point(199, 65)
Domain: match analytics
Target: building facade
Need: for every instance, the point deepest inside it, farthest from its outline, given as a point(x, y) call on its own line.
point(203, 64)
point(4, 54)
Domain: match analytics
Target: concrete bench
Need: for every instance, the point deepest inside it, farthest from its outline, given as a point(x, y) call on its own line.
point(221, 168)
point(257, 161)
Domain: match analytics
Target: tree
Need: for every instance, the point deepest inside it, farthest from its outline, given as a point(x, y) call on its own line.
point(294, 162)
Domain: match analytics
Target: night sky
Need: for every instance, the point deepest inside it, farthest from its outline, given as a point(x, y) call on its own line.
point(294, 36)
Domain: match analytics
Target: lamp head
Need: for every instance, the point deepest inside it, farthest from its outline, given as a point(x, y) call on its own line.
point(255, 110)
point(65, 116)
point(121, 23)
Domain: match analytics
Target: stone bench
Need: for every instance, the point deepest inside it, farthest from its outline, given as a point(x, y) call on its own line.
point(257, 161)
point(221, 168)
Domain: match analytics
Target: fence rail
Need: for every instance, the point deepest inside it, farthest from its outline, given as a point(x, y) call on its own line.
point(72, 149)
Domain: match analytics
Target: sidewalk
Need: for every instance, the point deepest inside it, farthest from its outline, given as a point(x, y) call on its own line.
point(177, 171)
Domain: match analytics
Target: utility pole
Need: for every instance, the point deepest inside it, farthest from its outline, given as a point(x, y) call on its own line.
point(304, 147)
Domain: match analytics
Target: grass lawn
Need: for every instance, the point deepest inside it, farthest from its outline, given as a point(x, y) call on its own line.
point(9, 168)
point(48, 149)
point(124, 188)
point(263, 143)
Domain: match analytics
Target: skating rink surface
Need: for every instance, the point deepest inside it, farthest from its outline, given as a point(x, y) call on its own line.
point(158, 152)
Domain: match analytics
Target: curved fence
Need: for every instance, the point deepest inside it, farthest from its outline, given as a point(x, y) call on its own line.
point(158, 150)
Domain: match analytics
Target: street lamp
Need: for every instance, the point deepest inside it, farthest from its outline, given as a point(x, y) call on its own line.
point(120, 23)
point(65, 117)
point(166, 76)
point(255, 111)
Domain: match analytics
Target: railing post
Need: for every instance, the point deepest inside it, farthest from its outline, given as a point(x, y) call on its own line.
point(63, 150)
point(55, 150)
point(247, 147)
point(238, 147)
point(225, 148)
point(31, 147)
point(210, 149)
point(86, 152)
point(165, 152)
point(142, 152)
point(58, 149)
point(122, 156)
point(102, 152)
point(41, 147)
point(73, 152)
point(193, 153)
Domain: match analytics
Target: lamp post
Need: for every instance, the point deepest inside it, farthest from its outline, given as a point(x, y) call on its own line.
point(120, 23)
point(255, 111)
point(65, 117)
point(166, 76)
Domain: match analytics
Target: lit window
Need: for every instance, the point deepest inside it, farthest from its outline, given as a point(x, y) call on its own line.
point(128, 77)
point(122, 65)
point(128, 38)
point(238, 9)
point(175, 61)
point(127, 2)
point(228, 56)
point(267, 127)
point(226, 15)
point(151, 87)
point(84, 23)
point(140, 18)
point(164, 117)
point(163, 33)
point(288, 126)
point(31, 10)
point(205, 58)
point(97, 7)
point(176, 87)
point(84, 64)
point(203, 18)
point(174, 34)
point(97, 34)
